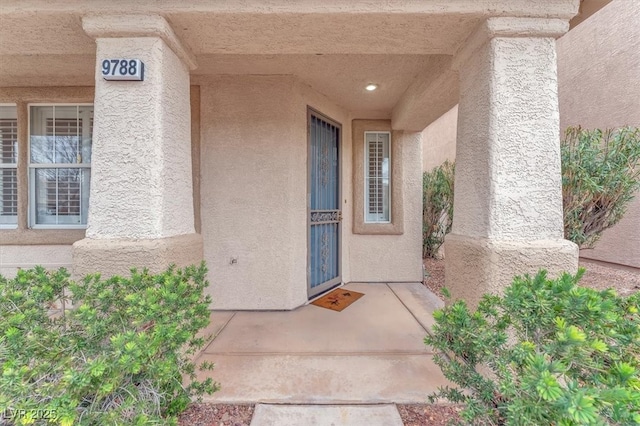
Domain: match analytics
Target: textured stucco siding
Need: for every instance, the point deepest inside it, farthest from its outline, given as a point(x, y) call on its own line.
point(508, 205)
point(384, 258)
point(253, 187)
point(141, 140)
point(507, 141)
point(255, 192)
point(25, 257)
point(599, 78)
point(599, 87)
point(439, 140)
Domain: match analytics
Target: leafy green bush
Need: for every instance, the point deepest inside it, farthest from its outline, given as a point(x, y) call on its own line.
point(547, 352)
point(600, 175)
point(118, 357)
point(437, 202)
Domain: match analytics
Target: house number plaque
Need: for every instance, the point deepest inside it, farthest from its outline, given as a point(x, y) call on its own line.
point(123, 69)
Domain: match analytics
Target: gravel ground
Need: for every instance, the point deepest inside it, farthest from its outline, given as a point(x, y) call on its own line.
point(603, 276)
point(434, 275)
point(597, 275)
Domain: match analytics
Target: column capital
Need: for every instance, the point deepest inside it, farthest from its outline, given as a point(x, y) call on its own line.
point(508, 27)
point(132, 25)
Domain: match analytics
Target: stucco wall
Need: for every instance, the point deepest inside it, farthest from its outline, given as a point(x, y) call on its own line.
point(599, 87)
point(143, 128)
point(25, 257)
point(254, 195)
point(384, 258)
point(23, 247)
point(254, 188)
point(439, 140)
point(376, 258)
point(253, 165)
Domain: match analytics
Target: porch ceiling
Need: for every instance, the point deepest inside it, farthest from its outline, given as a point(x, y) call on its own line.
point(342, 78)
point(271, 26)
point(335, 46)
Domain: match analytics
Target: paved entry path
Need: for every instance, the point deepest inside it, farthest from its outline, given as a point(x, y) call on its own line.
point(325, 366)
point(326, 415)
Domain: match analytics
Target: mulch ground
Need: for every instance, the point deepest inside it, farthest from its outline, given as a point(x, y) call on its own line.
point(240, 415)
point(598, 276)
point(216, 415)
point(432, 415)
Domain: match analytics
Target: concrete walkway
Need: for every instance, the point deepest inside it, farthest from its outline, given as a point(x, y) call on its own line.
point(370, 353)
point(325, 415)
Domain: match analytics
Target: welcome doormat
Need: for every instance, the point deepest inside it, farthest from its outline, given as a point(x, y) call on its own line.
point(337, 299)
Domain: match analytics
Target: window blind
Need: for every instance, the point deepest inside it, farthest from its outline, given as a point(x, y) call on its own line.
point(377, 177)
point(8, 165)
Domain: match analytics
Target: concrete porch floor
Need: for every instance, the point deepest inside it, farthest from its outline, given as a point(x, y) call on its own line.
point(370, 353)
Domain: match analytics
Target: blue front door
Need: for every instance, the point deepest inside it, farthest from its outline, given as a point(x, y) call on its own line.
point(324, 204)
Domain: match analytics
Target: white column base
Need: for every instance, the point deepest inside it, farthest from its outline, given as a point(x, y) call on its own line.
point(474, 266)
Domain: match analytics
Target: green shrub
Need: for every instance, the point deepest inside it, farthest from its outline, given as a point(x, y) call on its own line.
point(118, 357)
point(437, 202)
point(547, 352)
point(600, 174)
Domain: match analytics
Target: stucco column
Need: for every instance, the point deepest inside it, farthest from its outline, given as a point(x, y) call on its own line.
point(508, 199)
point(141, 199)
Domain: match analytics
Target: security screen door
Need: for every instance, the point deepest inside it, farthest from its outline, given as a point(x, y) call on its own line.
point(323, 271)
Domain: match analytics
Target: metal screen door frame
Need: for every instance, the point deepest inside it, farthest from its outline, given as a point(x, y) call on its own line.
point(323, 217)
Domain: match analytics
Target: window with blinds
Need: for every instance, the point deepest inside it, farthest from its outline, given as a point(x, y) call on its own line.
point(8, 166)
point(377, 177)
point(60, 164)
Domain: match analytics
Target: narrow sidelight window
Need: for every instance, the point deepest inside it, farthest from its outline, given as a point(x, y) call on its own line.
point(377, 171)
point(8, 166)
point(59, 165)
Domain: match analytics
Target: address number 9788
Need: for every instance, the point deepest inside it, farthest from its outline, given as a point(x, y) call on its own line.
point(122, 69)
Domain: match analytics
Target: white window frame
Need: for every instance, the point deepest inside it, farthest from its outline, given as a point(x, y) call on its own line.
point(32, 215)
point(366, 177)
point(11, 166)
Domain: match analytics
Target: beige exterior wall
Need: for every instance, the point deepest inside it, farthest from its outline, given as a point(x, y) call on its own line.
point(377, 258)
point(254, 195)
point(439, 140)
point(16, 257)
point(144, 130)
point(383, 258)
point(253, 169)
point(253, 182)
point(599, 87)
point(253, 133)
point(23, 247)
point(254, 188)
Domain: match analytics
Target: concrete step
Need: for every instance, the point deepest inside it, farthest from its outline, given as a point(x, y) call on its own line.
point(325, 415)
point(323, 379)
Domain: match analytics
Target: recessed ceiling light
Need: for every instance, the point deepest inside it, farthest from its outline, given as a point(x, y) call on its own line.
point(371, 87)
